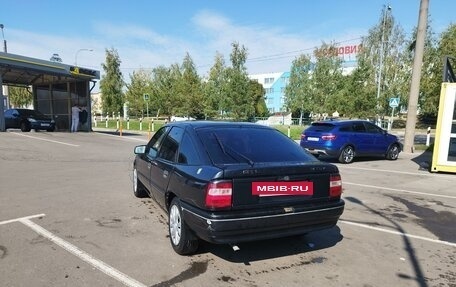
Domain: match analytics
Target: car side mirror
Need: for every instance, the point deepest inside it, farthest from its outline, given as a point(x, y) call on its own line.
point(140, 149)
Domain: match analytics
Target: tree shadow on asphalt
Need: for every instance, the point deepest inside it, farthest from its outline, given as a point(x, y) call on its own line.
point(423, 160)
point(419, 275)
point(117, 133)
point(275, 248)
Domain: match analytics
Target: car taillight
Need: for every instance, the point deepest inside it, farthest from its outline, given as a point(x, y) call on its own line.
point(335, 185)
point(328, 137)
point(219, 194)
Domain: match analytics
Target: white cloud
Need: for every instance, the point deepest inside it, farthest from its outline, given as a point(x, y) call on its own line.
point(270, 49)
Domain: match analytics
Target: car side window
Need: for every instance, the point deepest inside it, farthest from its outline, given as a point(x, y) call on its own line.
point(346, 128)
point(155, 141)
point(373, 129)
point(8, 113)
point(359, 128)
point(187, 152)
point(168, 149)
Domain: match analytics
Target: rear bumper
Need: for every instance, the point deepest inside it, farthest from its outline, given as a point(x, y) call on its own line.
point(326, 151)
point(240, 227)
point(42, 126)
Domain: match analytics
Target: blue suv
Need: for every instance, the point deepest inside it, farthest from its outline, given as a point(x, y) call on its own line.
point(347, 139)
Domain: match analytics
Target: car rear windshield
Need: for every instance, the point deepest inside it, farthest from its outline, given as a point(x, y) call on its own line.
point(320, 127)
point(227, 145)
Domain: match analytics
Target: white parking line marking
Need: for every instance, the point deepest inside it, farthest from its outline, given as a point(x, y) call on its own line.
point(401, 190)
point(100, 265)
point(398, 233)
point(47, 140)
point(25, 217)
point(122, 137)
point(395, 171)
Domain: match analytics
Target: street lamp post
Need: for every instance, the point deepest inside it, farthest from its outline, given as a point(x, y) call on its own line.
point(3, 89)
point(380, 68)
point(4, 41)
point(76, 55)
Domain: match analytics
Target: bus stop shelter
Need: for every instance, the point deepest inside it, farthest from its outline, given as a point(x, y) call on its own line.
point(55, 86)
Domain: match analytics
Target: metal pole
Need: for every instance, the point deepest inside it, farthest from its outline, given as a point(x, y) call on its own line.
point(2, 116)
point(380, 68)
point(5, 49)
point(416, 77)
point(147, 106)
point(3, 89)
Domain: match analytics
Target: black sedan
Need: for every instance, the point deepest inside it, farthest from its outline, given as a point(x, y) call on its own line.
point(228, 182)
point(26, 120)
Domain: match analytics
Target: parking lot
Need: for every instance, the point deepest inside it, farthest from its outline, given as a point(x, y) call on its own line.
point(69, 218)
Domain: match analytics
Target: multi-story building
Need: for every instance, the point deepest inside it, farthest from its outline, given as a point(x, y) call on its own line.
point(274, 83)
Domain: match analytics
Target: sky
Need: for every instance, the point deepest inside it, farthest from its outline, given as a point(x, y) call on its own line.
point(148, 33)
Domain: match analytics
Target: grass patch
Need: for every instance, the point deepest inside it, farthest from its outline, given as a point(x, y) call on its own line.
point(134, 125)
point(423, 147)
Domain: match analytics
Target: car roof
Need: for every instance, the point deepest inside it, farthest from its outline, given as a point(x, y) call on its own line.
point(340, 122)
point(22, 109)
point(215, 124)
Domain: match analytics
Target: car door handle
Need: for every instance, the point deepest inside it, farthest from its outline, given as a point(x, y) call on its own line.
point(165, 174)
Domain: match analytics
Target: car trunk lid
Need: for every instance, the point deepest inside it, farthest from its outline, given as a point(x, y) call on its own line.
point(261, 186)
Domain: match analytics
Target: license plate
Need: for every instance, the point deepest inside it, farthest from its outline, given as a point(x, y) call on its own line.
point(269, 188)
point(44, 125)
point(312, 139)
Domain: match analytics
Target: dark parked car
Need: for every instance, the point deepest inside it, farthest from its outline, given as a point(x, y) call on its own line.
point(347, 139)
point(227, 182)
point(26, 120)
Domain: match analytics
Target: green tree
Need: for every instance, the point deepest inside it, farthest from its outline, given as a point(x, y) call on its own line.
point(240, 105)
point(326, 80)
point(214, 95)
point(191, 90)
point(431, 74)
point(382, 54)
point(257, 92)
point(298, 90)
point(165, 97)
point(356, 99)
point(111, 84)
point(447, 43)
point(140, 84)
point(19, 96)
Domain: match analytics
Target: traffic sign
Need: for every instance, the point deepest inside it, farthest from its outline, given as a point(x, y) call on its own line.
point(394, 102)
point(146, 97)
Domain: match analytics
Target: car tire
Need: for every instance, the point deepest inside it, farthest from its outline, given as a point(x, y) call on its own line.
point(25, 127)
point(393, 152)
point(138, 188)
point(183, 241)
point(347, 154)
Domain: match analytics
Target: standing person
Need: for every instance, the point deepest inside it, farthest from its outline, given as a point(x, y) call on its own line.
point(75, 118)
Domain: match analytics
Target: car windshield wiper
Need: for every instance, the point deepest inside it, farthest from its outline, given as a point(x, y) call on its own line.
point(230, 151)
